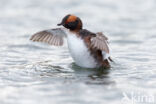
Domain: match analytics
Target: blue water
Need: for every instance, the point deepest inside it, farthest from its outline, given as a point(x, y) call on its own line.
point(35, 73)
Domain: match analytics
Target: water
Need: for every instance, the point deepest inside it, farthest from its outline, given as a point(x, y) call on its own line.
point(35, 73)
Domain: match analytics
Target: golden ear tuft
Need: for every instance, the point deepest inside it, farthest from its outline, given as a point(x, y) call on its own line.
point(71, 18)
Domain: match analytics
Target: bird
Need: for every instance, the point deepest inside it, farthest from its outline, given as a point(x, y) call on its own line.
point(88, 49)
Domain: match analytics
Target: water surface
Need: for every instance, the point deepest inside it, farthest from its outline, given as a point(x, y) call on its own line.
point(35, 73)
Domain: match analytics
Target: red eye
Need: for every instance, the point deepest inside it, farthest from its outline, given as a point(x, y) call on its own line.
point(66, 22)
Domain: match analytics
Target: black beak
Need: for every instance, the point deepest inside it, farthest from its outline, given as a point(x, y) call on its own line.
point(59, 24)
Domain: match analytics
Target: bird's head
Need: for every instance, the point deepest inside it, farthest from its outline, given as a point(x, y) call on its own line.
point(71, 22)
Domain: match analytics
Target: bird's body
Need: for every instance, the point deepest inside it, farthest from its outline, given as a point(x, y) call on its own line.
point(79, 51)
point(88, 49)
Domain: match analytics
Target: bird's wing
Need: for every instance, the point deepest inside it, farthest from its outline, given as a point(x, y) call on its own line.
point(51, 36)
point(100, 42)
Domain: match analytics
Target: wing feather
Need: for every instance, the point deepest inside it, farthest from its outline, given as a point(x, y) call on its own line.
point(46, 37)
point(54, 40)
point(100, 42)
point(51, 36)
point(51, 41)
point(41, 38)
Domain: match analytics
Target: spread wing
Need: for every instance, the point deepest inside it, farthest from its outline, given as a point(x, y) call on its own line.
point(100, 42)
point(51, 36)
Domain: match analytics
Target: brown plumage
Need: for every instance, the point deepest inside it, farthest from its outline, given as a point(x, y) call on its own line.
point(96, 43)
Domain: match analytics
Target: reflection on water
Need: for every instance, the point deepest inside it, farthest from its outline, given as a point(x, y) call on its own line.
point(90, 76)
point(35, 73)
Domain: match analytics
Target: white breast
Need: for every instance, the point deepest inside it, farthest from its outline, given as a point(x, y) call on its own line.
point(79, 52)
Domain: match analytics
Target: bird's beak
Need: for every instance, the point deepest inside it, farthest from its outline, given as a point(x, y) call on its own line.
point(60, 24)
